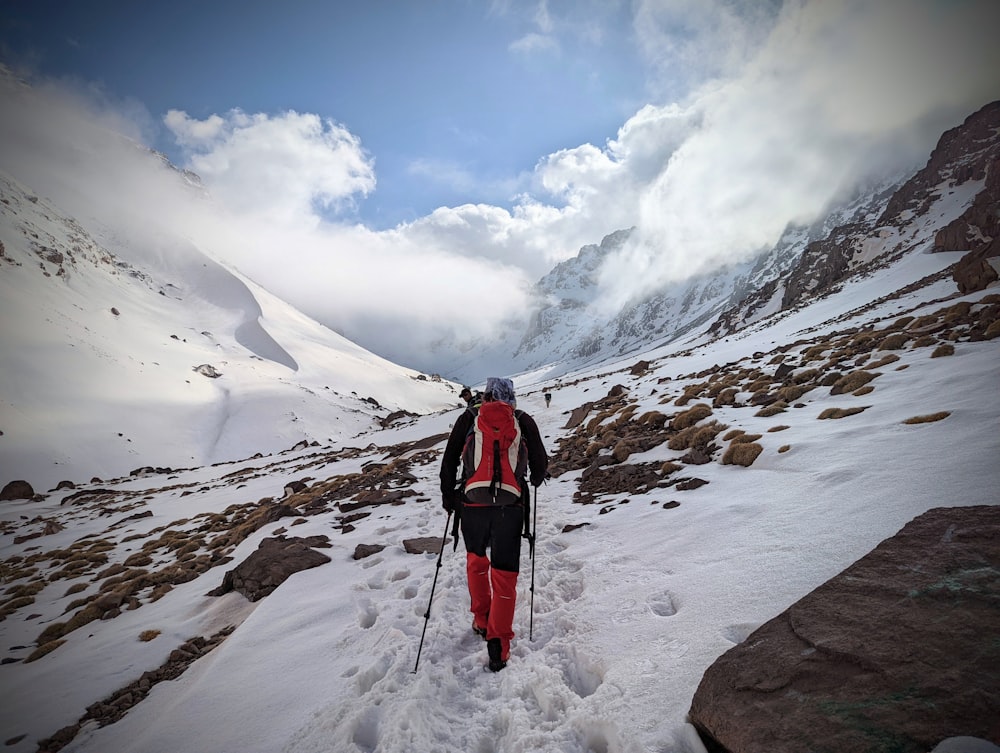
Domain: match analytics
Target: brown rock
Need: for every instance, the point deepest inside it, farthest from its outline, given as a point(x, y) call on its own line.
point(271, 564)
point(17, 490)
point(427, 544)
point(898, 652)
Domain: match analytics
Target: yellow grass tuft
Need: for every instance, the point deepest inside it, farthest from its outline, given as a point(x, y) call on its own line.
point(841, 412)
point(147, 635)
point(742, 453)
point(929, 418)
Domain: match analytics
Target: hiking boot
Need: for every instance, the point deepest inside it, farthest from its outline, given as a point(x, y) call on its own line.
point(480, 631)
point(494, 648)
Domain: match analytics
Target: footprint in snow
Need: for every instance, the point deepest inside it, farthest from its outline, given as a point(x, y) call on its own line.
point(663, 604)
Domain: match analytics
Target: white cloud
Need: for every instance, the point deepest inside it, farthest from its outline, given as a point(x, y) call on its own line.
point(277, 165)
point(836, 91)
point(533, 43)
point(788, 111)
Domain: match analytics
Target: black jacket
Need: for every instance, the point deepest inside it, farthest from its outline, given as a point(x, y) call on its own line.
point(538, 460)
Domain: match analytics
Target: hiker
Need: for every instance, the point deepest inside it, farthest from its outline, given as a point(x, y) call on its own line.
point(548, 399)
point(491, 514)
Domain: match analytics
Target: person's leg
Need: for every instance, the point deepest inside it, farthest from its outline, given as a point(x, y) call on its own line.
point(505, 550)
point(476, 533)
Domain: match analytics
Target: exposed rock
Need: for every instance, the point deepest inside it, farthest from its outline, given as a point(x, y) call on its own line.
point(367, 550)
point(424, 545)
point(17, 490)
point(898, 652)
point(978, 269)
point(271, 564)
point(208, 370)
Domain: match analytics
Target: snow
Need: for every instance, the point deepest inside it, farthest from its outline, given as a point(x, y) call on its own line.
point(629, 610)
point(632, 601)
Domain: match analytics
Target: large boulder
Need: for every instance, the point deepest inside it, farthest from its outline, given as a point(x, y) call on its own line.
point(271, 564)
point(17, 490)
point(898, 652)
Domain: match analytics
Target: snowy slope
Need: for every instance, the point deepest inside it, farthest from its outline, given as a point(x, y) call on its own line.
point(87, 333)
point(629, 609)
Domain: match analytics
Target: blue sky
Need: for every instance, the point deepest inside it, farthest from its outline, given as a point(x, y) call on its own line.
point(365, 161)
point(455, 100)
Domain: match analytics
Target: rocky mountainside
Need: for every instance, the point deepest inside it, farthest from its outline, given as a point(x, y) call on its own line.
point(950, 205)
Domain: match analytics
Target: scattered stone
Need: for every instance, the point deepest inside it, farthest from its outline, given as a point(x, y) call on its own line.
point(17, 490)
point(271, 564)
point(367, 550)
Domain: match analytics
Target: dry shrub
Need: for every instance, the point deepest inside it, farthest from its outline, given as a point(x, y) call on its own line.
point(147, 635)
point(772, 410)
point(807, 375)
point(924, 341)
point(780, 427)
point(830, 379)
point(929, 418)
point(44, 649)
point(704, 435)
point(726, 397)
point(923, 321)
point(814, 353)
point(793, 392)
point(903, 367)
point(784, 448)
point(901, 322)
point(670, 467)
point(742, 453)
point(944, 349)
point(654, 419)
point(841, 412)
point(894, 342)
point(863, 391)
point(746, 438)
point(139, 559)
point(993, 330)
point(690, 417)
point(852, 381)
point(75, 589)
point(761, 385)
point(884, 361)
point(730, 435)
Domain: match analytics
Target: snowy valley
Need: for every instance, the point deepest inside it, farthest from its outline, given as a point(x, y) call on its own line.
point(717, 453)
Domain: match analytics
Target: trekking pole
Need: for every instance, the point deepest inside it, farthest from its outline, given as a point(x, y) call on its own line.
point(531, 543)
point(427, 614)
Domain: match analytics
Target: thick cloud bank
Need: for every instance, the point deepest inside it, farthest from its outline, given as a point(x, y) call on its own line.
point(760, 115)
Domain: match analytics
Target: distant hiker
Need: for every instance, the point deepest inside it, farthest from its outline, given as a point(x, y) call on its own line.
point(499, 449)
point(548, 399)
point(466, 395)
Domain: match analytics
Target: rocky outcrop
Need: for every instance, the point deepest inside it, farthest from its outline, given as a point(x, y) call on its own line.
point(271, 564)
point(17, 490)
point(898, 652)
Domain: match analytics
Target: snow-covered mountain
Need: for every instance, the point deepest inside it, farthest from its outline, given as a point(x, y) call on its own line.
point(156, 340)
point(880, 220)
point(701, 484)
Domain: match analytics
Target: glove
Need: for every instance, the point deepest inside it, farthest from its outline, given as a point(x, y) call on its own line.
point(538, 478)
point(448, 502)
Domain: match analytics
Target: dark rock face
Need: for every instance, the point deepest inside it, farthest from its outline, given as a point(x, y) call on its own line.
point(17, 490)
point(896, 653)
point(268, 567)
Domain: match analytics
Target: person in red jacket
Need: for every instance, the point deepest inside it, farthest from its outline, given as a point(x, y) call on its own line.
point(497, 527)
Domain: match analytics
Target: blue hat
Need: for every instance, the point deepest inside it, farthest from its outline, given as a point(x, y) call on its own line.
point(502, 389)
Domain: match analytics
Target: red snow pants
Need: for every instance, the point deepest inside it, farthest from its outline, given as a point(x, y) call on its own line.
point(493, 584)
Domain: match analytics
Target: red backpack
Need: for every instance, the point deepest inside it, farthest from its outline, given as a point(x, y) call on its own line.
point(495, 457)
